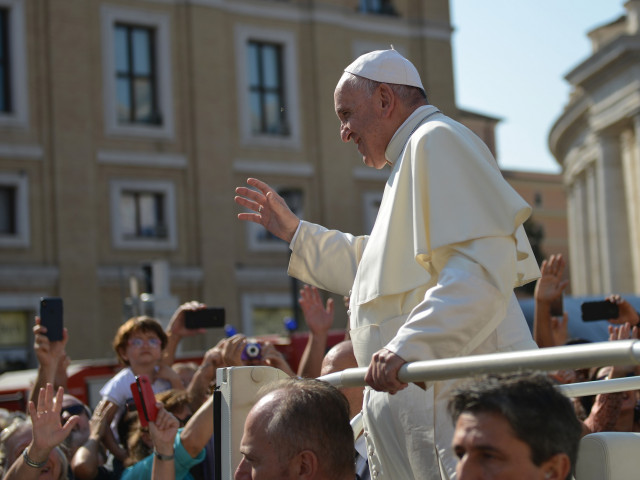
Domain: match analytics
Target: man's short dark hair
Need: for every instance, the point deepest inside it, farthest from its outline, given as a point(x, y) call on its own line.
point(312, 415)
point(537, 412)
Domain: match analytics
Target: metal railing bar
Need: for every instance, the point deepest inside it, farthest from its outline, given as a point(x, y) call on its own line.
point(599, 354)
point(585, 389)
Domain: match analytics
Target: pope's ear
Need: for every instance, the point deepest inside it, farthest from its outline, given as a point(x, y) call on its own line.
point(386, 99)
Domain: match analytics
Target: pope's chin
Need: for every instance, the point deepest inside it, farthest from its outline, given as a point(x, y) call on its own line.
point(370, 162)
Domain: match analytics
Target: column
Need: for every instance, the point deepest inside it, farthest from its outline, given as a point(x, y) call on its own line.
point(613, 228)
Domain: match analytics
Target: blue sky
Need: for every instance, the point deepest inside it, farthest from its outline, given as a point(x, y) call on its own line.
point(510, 58)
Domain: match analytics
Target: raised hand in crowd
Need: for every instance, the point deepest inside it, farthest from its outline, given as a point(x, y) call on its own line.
point(627, 314)
point(614, 411)
point(48, 433)
point(177, 330)
point(52, 360)
point(205, 375)
point(163, 433)
point(319, 319)
point(232, 350)
point(271, 211)
point(549, 331)
point(91, 456)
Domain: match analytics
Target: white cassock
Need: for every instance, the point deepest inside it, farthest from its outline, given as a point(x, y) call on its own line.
point(434, 280)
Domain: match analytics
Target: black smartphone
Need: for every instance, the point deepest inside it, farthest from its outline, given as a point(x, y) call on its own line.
point(204, 318)
point(602, 310)
point(51, 317)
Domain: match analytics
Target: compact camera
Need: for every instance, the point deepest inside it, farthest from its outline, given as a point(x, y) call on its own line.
point(252, 351)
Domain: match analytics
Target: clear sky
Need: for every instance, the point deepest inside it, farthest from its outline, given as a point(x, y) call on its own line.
point(510, 58)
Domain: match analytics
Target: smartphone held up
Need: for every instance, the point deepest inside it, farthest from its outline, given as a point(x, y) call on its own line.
point(51, 317)
point(210, 317)
point(600, 310)
point(144, 399)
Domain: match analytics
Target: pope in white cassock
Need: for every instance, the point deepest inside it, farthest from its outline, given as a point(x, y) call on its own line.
point(434, 279)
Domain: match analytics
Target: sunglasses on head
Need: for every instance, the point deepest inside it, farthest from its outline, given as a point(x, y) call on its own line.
point(72, 410)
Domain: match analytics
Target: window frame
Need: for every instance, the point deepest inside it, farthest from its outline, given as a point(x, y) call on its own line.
point(21, 238)
point(160, 23)
point(262, 90)
point(119, 240)
point(18, 116)
point(131, 76)
point(251, 301)
point(287, 41)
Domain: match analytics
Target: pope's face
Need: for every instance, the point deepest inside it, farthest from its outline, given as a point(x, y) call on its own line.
point(487, 449)
point(361, 122)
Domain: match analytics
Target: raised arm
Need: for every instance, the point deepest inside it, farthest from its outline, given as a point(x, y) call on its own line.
point(198, 429)
point(271, 211)
point(51, 360)
point(163, 432)
point(177, 330)
point(48, 432)
point(627, 314)
point(549, 288)
point(319, 319)
point(86, 460)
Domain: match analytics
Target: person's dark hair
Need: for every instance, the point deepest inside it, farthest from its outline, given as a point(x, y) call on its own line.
point(410, 96)
point(311, 415)
point(537, 412)
point(135, 325)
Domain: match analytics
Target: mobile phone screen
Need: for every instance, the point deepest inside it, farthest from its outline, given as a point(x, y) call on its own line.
point(51, 317)
point(603, 310)
point(205, 318)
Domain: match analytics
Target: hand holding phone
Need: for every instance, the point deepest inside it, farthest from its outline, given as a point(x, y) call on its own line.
point(144, 399)
point(51, 317)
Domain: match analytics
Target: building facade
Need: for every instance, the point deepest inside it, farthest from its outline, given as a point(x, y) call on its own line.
point(126, 125)
point(597, 141)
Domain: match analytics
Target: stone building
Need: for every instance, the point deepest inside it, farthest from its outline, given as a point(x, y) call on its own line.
point(126, 125)
point(596, 139)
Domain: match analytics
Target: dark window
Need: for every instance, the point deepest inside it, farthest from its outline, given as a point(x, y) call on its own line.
point(143, 215)
point(8, 223)
point(136, 80)
point(5, 64)
point(266, 89)
point(537, 199)
point(377, 6)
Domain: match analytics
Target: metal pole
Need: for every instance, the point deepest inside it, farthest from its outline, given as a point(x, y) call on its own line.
point(600, 386)
point(599, 354)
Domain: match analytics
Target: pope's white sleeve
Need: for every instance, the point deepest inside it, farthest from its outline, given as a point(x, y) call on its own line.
point(466, 305)
point(325, 258)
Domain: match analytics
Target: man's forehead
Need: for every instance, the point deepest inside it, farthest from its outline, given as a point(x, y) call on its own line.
point(483, 428)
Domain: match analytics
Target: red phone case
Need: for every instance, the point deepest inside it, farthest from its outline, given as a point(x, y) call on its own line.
point(145, 400)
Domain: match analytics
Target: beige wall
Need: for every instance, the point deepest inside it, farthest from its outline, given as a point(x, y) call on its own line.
point(70, 157)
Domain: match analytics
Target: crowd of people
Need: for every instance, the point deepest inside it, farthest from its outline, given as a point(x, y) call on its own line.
point(434, 279)
point(61, 437)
